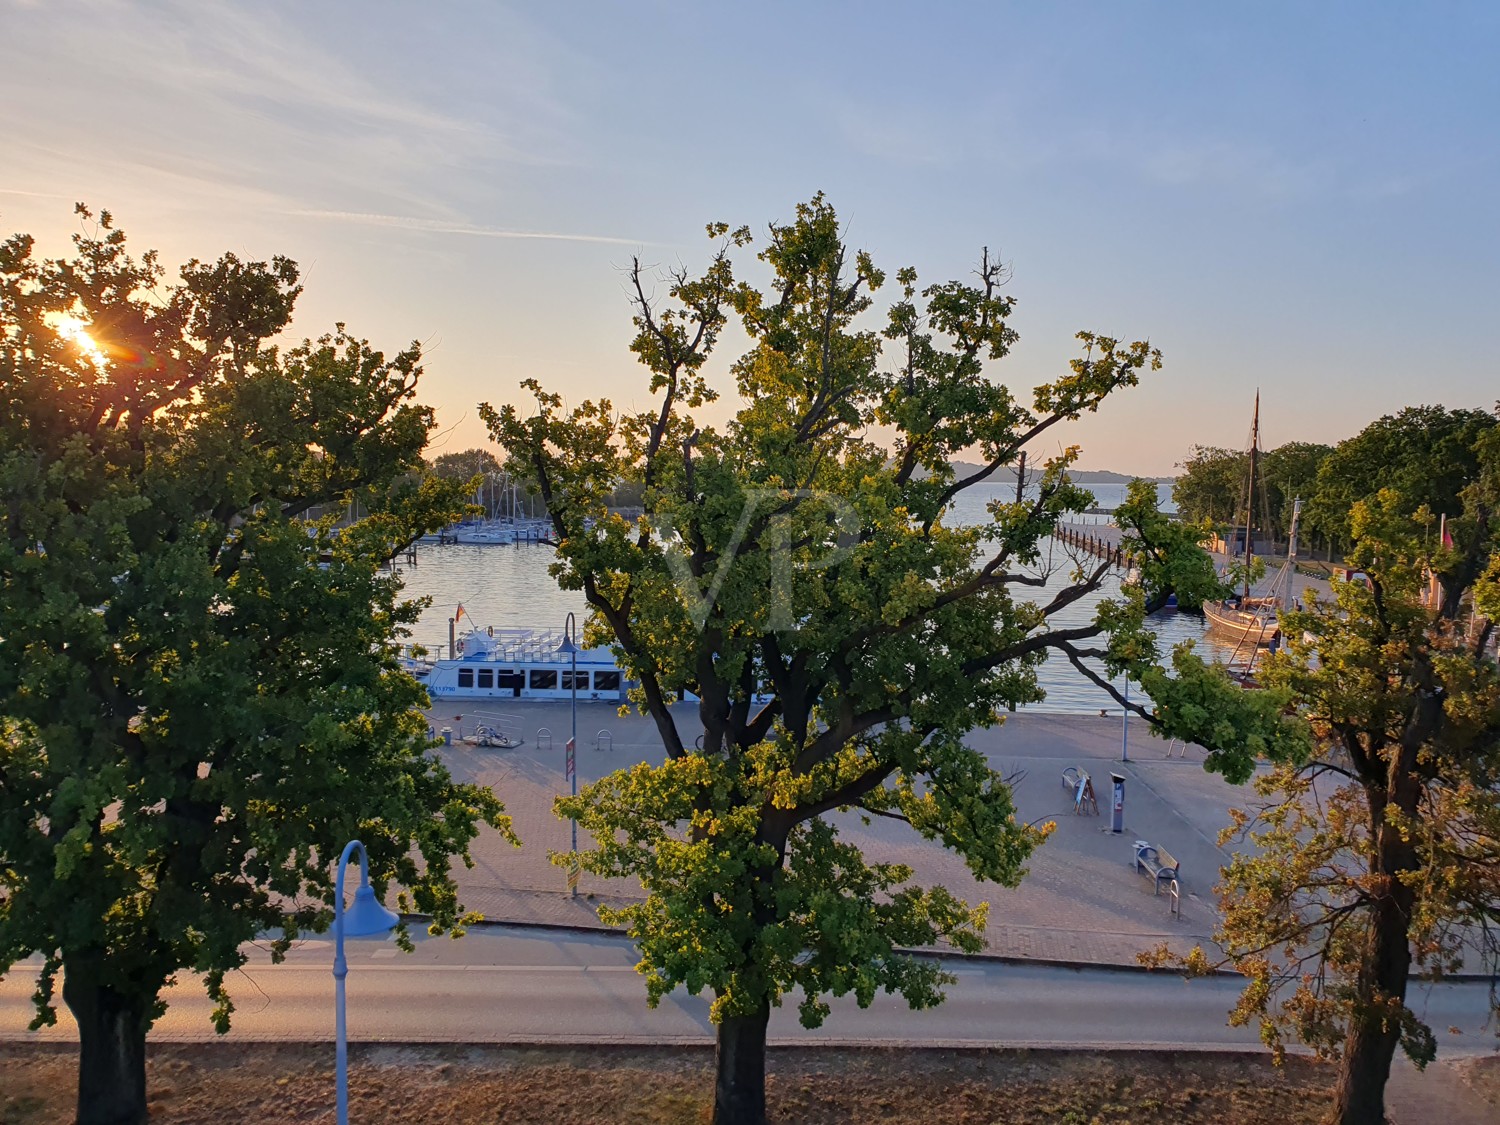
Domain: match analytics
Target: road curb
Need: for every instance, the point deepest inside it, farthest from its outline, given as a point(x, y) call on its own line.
point(951, 954)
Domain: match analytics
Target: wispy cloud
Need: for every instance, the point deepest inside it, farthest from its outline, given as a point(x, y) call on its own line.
point(439, 226)
point(32, 194)
point(269, 99)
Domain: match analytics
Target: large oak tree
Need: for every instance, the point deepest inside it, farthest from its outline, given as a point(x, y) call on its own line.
point(199, 701)
point(809, 585)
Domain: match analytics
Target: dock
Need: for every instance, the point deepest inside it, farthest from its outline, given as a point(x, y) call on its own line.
point(1101, 540)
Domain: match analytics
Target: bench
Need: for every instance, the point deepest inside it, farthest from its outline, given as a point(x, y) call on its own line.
point(1081, 788)
point(1156, 862)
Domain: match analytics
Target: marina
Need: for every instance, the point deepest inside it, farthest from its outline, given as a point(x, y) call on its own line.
point(509, 590)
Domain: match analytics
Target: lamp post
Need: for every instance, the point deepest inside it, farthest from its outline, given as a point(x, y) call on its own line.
point(570, 646)
point(1125, 723)
point(365, 917)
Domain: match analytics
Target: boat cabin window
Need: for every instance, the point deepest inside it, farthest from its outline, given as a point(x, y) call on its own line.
point(581, 685)
point(486, 677)
point(543, 679)
point(508, 680)
point(606, 681)
point(466, 677)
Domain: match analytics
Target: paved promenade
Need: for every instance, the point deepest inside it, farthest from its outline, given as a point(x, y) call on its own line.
point(1081, 901)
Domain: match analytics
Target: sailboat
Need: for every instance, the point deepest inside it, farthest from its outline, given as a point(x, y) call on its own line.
point(1246, 621)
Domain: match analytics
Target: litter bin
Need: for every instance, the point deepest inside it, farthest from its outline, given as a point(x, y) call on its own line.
point(1117, 803)
point(447, 733)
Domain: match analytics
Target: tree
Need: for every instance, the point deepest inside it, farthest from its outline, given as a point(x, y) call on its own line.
point(1211, 486)
point(1424, 454)
point(199, 699)
point(465, 464)
point(1374, 856)
point(839, 635)
point(1291, 473)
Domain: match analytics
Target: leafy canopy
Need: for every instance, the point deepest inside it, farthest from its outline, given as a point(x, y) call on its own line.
point(806, 586)
point(199, 703)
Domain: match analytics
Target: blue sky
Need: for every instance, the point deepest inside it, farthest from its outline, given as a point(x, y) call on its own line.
point(1296, 197)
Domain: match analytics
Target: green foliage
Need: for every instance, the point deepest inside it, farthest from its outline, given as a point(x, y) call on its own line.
point(1291, 473)
point(465, 464)
point(1211, 487)
point(195, 714)
point(840, 635)
point(1425, 454)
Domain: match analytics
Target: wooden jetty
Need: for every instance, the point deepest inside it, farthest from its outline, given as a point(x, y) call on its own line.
point(1103, 541)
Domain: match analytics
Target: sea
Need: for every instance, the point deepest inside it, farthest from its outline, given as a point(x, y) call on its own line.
point(510, 586)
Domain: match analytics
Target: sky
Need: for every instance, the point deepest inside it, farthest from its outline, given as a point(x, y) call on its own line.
point(1296, 198)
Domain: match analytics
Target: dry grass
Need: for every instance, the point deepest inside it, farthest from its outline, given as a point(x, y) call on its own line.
point(250, 1083)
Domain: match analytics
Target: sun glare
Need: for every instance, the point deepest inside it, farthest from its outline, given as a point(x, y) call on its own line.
point(73, 329)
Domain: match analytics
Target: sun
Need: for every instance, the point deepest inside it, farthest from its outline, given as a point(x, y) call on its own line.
point(75, 330)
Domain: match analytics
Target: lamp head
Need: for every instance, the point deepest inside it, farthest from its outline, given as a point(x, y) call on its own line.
point(570, 626)
point(366, 915)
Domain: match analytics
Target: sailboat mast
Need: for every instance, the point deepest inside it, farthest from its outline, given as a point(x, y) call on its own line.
point(1250, 494)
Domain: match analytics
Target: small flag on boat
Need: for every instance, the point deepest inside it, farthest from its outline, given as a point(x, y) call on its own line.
point(1447, 539)
point(459, 615)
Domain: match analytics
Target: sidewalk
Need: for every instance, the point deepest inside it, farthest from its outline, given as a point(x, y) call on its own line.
point(1081, 901)
point(1439, 1093)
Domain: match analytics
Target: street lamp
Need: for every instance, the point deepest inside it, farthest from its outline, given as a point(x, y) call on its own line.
point(570, 630)
point(364, 918)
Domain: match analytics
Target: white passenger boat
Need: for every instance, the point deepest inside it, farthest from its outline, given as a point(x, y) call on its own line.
point(520, 664)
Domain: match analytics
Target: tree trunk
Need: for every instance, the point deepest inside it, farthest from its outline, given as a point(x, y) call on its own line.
point(112, 1049)
point(1372, 1039)
point(740, 1086)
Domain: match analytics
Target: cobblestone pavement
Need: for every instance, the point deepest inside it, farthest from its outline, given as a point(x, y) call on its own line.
point(1081, 901)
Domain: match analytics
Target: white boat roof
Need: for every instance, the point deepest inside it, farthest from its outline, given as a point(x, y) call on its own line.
point(527, 646)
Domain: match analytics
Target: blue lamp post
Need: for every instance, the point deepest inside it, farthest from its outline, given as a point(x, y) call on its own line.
point(570, 629)
point(364, 918)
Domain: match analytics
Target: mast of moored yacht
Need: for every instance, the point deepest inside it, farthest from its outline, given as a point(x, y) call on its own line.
point(1250, 495)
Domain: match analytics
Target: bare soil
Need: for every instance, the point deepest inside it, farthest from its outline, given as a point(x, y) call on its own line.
point(226, 1083)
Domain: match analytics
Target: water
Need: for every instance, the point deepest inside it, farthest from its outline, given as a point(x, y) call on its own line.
point(511, 586)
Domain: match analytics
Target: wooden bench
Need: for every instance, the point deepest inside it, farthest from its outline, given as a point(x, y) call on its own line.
point(1156, 862)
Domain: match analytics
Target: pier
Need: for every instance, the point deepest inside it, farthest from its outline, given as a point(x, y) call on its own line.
point(1103, 541)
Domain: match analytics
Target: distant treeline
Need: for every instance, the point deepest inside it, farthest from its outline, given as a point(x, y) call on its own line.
point(1425, 453)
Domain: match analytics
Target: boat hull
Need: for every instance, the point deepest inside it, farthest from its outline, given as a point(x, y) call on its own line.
point(1229, 622)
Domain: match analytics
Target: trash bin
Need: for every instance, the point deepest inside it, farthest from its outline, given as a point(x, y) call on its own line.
point(1117, 803)
point(447, 733)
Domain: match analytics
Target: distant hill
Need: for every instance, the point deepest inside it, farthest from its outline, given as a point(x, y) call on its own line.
point(1080, 476)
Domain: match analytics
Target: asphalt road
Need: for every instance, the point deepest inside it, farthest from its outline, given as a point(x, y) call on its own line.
point(501, 985)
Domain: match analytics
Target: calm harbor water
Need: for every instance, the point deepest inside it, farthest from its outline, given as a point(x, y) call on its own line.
point(510, 586)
